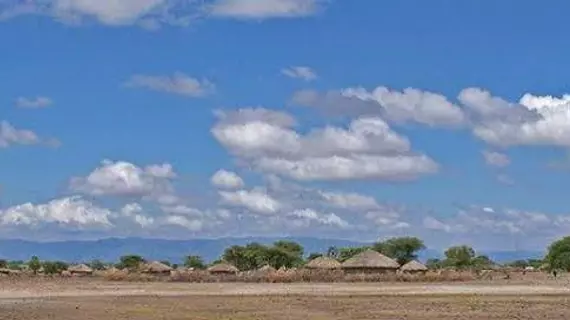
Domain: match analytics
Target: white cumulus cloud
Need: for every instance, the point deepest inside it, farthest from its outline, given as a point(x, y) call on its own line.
point(227, 179)
point(409, 105)
point(152, 14)
point(33, 103)
point(367, 149)
point(178, 83)
point(496, 159)
point(307, 217)
point(349, 200)
point(123, 178)
point(300, 72)
point(72, 212)
point(255, 9)
point(10, 135)
point(534, 120)
point(255, 200)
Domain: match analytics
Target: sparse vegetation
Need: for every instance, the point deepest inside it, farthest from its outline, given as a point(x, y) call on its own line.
point(53, 267)
point(130, 262)
point(194, 262)
point(35, 264)
point(286, 262)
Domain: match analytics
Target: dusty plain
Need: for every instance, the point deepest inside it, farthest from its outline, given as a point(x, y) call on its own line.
point(85, 299)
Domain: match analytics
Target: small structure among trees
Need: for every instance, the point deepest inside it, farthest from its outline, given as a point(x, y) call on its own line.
point(370, 261)
point(223, 269)
point(156, 267)
point(80, 270)
point(323, 263)
point(414, 267)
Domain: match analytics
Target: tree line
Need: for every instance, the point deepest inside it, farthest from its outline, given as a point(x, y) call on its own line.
point(289, 254)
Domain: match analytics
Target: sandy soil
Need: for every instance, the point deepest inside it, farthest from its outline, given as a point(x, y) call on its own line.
point(86, 299)
point(311, 307)
point(101, 288)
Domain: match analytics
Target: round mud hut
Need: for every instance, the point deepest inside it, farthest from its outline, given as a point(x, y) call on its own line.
point(223, 269)
point(157, 268)
point(414, 267)
point(80, 270)
point(323, 263)
point(370, 262)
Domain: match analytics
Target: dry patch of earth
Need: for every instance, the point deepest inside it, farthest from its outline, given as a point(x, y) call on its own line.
point(84, 300)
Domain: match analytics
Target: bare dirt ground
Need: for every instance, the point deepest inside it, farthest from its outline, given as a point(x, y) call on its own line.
point(82, 299)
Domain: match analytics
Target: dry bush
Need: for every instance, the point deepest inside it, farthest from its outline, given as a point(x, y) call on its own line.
point(322, 275)
point(290, 276)
point(131, 277)
point(192, 276)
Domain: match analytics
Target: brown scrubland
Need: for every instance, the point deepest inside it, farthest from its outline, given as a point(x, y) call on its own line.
point(295, 294)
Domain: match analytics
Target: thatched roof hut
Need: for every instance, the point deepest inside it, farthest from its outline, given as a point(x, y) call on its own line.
point(323, 263)
point(80, 269)
point(223, 268)
point(155, 267)
point(370, 261)
point(414, 267)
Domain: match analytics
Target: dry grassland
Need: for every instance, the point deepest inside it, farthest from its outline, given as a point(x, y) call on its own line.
point(85, 299)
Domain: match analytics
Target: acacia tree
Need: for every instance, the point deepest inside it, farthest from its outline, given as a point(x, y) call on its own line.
point(481, 262)
point(195, 262)
point(97, 265)
point(558, 256)
point(291, 247)
point(403, 249)
point(435, 263)
point(54, 267)
point(131, 261)
point(255, 255)
point(349, 252)
point(460, 256)
point(35, 264)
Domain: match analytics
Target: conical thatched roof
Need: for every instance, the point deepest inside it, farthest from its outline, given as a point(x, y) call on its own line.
point(414, 266)
point(323, 263)
point(156, 267)
point(80, 268)
point(370, 259)
point(223, 268)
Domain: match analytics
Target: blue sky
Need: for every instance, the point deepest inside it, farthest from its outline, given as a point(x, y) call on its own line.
point(349, 119)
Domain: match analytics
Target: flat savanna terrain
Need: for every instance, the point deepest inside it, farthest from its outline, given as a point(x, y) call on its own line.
point(84, 299)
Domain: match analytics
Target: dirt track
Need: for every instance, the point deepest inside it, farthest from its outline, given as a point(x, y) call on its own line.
point(102, 289)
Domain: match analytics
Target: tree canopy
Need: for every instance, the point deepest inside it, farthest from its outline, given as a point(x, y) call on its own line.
point(558, 255)
point(130, 261)
point(403, 249)
point(460, 256)
point(35, 264)
point(195, 262)
point(255, 255)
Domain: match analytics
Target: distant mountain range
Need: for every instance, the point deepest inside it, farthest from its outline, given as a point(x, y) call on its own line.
point(174, 250)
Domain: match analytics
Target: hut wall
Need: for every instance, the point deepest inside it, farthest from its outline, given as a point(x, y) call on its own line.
point(414, 272)
point(369, 271)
